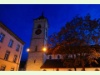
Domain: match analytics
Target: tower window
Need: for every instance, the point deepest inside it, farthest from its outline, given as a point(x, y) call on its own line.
point(1, 37)
point(39, 26)
point(50, 57)
point(7, 55)
point(35, 48)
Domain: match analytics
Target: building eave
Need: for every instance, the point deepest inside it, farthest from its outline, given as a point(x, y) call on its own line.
point(11, 33)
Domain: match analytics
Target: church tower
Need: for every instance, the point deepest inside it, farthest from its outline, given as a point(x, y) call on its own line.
point(38, 42)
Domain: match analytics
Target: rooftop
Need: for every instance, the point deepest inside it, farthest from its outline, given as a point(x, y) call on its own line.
point(11, 33)
point(58, 63)
point(41, 17)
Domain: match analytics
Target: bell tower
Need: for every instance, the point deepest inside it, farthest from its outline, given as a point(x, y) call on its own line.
point(38, 42)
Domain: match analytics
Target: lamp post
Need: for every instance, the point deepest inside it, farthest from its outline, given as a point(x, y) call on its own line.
point(44, 56)
point(28, 50)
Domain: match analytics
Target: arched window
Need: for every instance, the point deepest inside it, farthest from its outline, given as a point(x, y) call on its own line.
point(39, 26)
point(58, 57)
point(50, 57)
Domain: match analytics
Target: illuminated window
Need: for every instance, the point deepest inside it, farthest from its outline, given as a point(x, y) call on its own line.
point(2, 68)
point(10, 43)
point(1, 37)
point(7, 55)
point(15, 58)
point(17, 47)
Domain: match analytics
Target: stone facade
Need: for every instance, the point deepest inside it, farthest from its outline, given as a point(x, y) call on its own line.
point(11, 61)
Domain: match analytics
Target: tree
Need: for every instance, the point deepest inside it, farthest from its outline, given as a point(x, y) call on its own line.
point(75, 39)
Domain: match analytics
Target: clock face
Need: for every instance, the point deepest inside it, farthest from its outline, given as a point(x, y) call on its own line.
point(38, 31)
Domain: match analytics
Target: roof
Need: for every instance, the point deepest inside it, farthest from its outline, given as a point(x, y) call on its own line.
point(11, 33)
point(53, 63)
point(58, 63)
point(41, 17)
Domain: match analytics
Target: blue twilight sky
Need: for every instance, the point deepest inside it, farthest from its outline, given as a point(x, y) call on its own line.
point(19, 18)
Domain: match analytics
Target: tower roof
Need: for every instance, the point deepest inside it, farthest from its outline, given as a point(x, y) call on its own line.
point(41, 17)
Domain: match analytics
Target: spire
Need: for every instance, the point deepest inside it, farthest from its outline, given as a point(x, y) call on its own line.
point(42, 16)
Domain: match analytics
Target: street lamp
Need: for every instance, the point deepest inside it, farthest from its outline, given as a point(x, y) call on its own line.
point(28, 50)
point(44, 49)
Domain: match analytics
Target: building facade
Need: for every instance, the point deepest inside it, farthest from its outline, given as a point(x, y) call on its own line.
point(11, 47)
point(55, 63)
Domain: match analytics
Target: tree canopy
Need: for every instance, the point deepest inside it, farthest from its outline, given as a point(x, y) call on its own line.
point(78, 37)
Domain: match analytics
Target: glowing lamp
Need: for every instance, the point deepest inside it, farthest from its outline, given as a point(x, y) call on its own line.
point(28, 50)
point(44, 49)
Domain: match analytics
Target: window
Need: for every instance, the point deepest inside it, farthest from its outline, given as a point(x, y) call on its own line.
point(58, 57)
point(7, 55)
point(69, 70)
point(35, 48)
point(57, 69)
point(15, 58)
point(1, 37)
point(50, 57)
point(12, 69)
point(34, 61)
point(10, 43)
point(83, 70)
point(44, 70)
point(39, 26)
point(96, 69)
point(2, 68)
point(17, 47)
